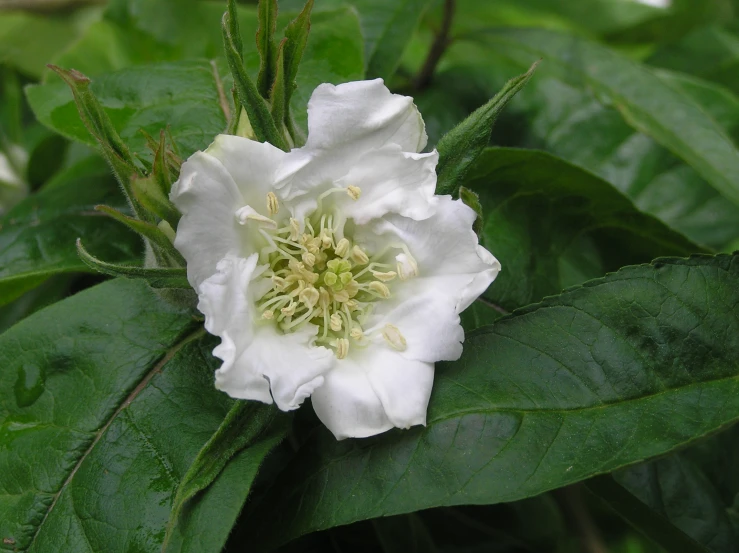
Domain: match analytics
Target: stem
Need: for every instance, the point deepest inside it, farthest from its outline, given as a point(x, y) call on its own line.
point(423, 79)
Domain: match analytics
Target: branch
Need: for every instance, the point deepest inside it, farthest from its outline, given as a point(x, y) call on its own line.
point(423, 79)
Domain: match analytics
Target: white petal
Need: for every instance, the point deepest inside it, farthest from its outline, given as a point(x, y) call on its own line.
point(403, 386)
point(427, 319)
point(207, 197)
point(445, 248)
point(256, 358)
point(362, 116)
point(224, 302)
point(256, 167)
point(347, 403)
point(290, 362)
point(390, 181)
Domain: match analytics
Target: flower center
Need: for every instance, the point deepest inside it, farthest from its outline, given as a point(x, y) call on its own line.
point(318, 278)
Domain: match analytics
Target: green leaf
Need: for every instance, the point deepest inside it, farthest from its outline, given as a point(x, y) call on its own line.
point(678, 503)
point(641, 516)
point(250, 99)
point(708, 52)
point(110, 390)
point(553, 225)
point(687, 497)
point(459, 148)
point(387, 27)
point(644, 101)
point(50, 291)
point(50, 36)
point(267, 17)
point(572, 124)
point(37, 237)
point(181, 95)
point(618, 370)
point(245, 424)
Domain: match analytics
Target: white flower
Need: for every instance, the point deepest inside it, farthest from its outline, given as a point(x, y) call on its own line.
point(332, 271)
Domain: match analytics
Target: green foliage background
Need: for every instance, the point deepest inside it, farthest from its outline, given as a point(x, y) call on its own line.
point(594, 407)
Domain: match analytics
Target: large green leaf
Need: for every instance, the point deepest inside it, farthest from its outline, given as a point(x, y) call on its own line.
point(575, 125)
point(37, 237)
point(619, 370)
point(676, 490)
point(183, 95)
point(644, 101)
point(686, 501)
point(110, 398)
point(709, 52)
point(387, 27)
point(553, 225)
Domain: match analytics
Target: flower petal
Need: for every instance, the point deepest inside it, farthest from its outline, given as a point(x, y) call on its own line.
point(444, 246)
point(256, 167)
point(427, 319)
point(390, 181)
point(255, 356)
point(362, 116)
point(403, 386)
point(207, 196)
point(227, 311)
point(347, 403)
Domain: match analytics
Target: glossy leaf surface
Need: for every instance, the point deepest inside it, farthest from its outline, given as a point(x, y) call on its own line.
point(607, 374)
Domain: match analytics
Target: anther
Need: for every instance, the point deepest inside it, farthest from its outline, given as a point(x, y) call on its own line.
point(342, 348)
point(289, 311)
point(309, 259)
point(358, 256)
point(268, 314)
point(357, 333)
point(273, 206)
point(279, 283)
point(324, 299)
point(247, 213)
point(294, 229)
point(341, 296)
point(335, 322)
point(392, 335)
point(309, 296)
point(354, 192)
point(384, 277)
point(380, 288)
point(325, 238)
point(342, 248)
point(406, 266)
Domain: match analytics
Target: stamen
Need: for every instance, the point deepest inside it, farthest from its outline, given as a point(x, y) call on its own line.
point(381, 289)
point(247, 213)
point(273, 206)
point(342, 348)
point(268, 314)
point(392, 335)
point(294, 229)
point(342, 248)
point(309, 259)
point(309, 297)
point(358, 256)
point(384, 277)
point(407, 266)
point(354, 192)
point(335, 322)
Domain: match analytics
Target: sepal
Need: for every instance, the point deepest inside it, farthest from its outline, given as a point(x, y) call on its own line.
point(471, 199)
point(170, 277)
